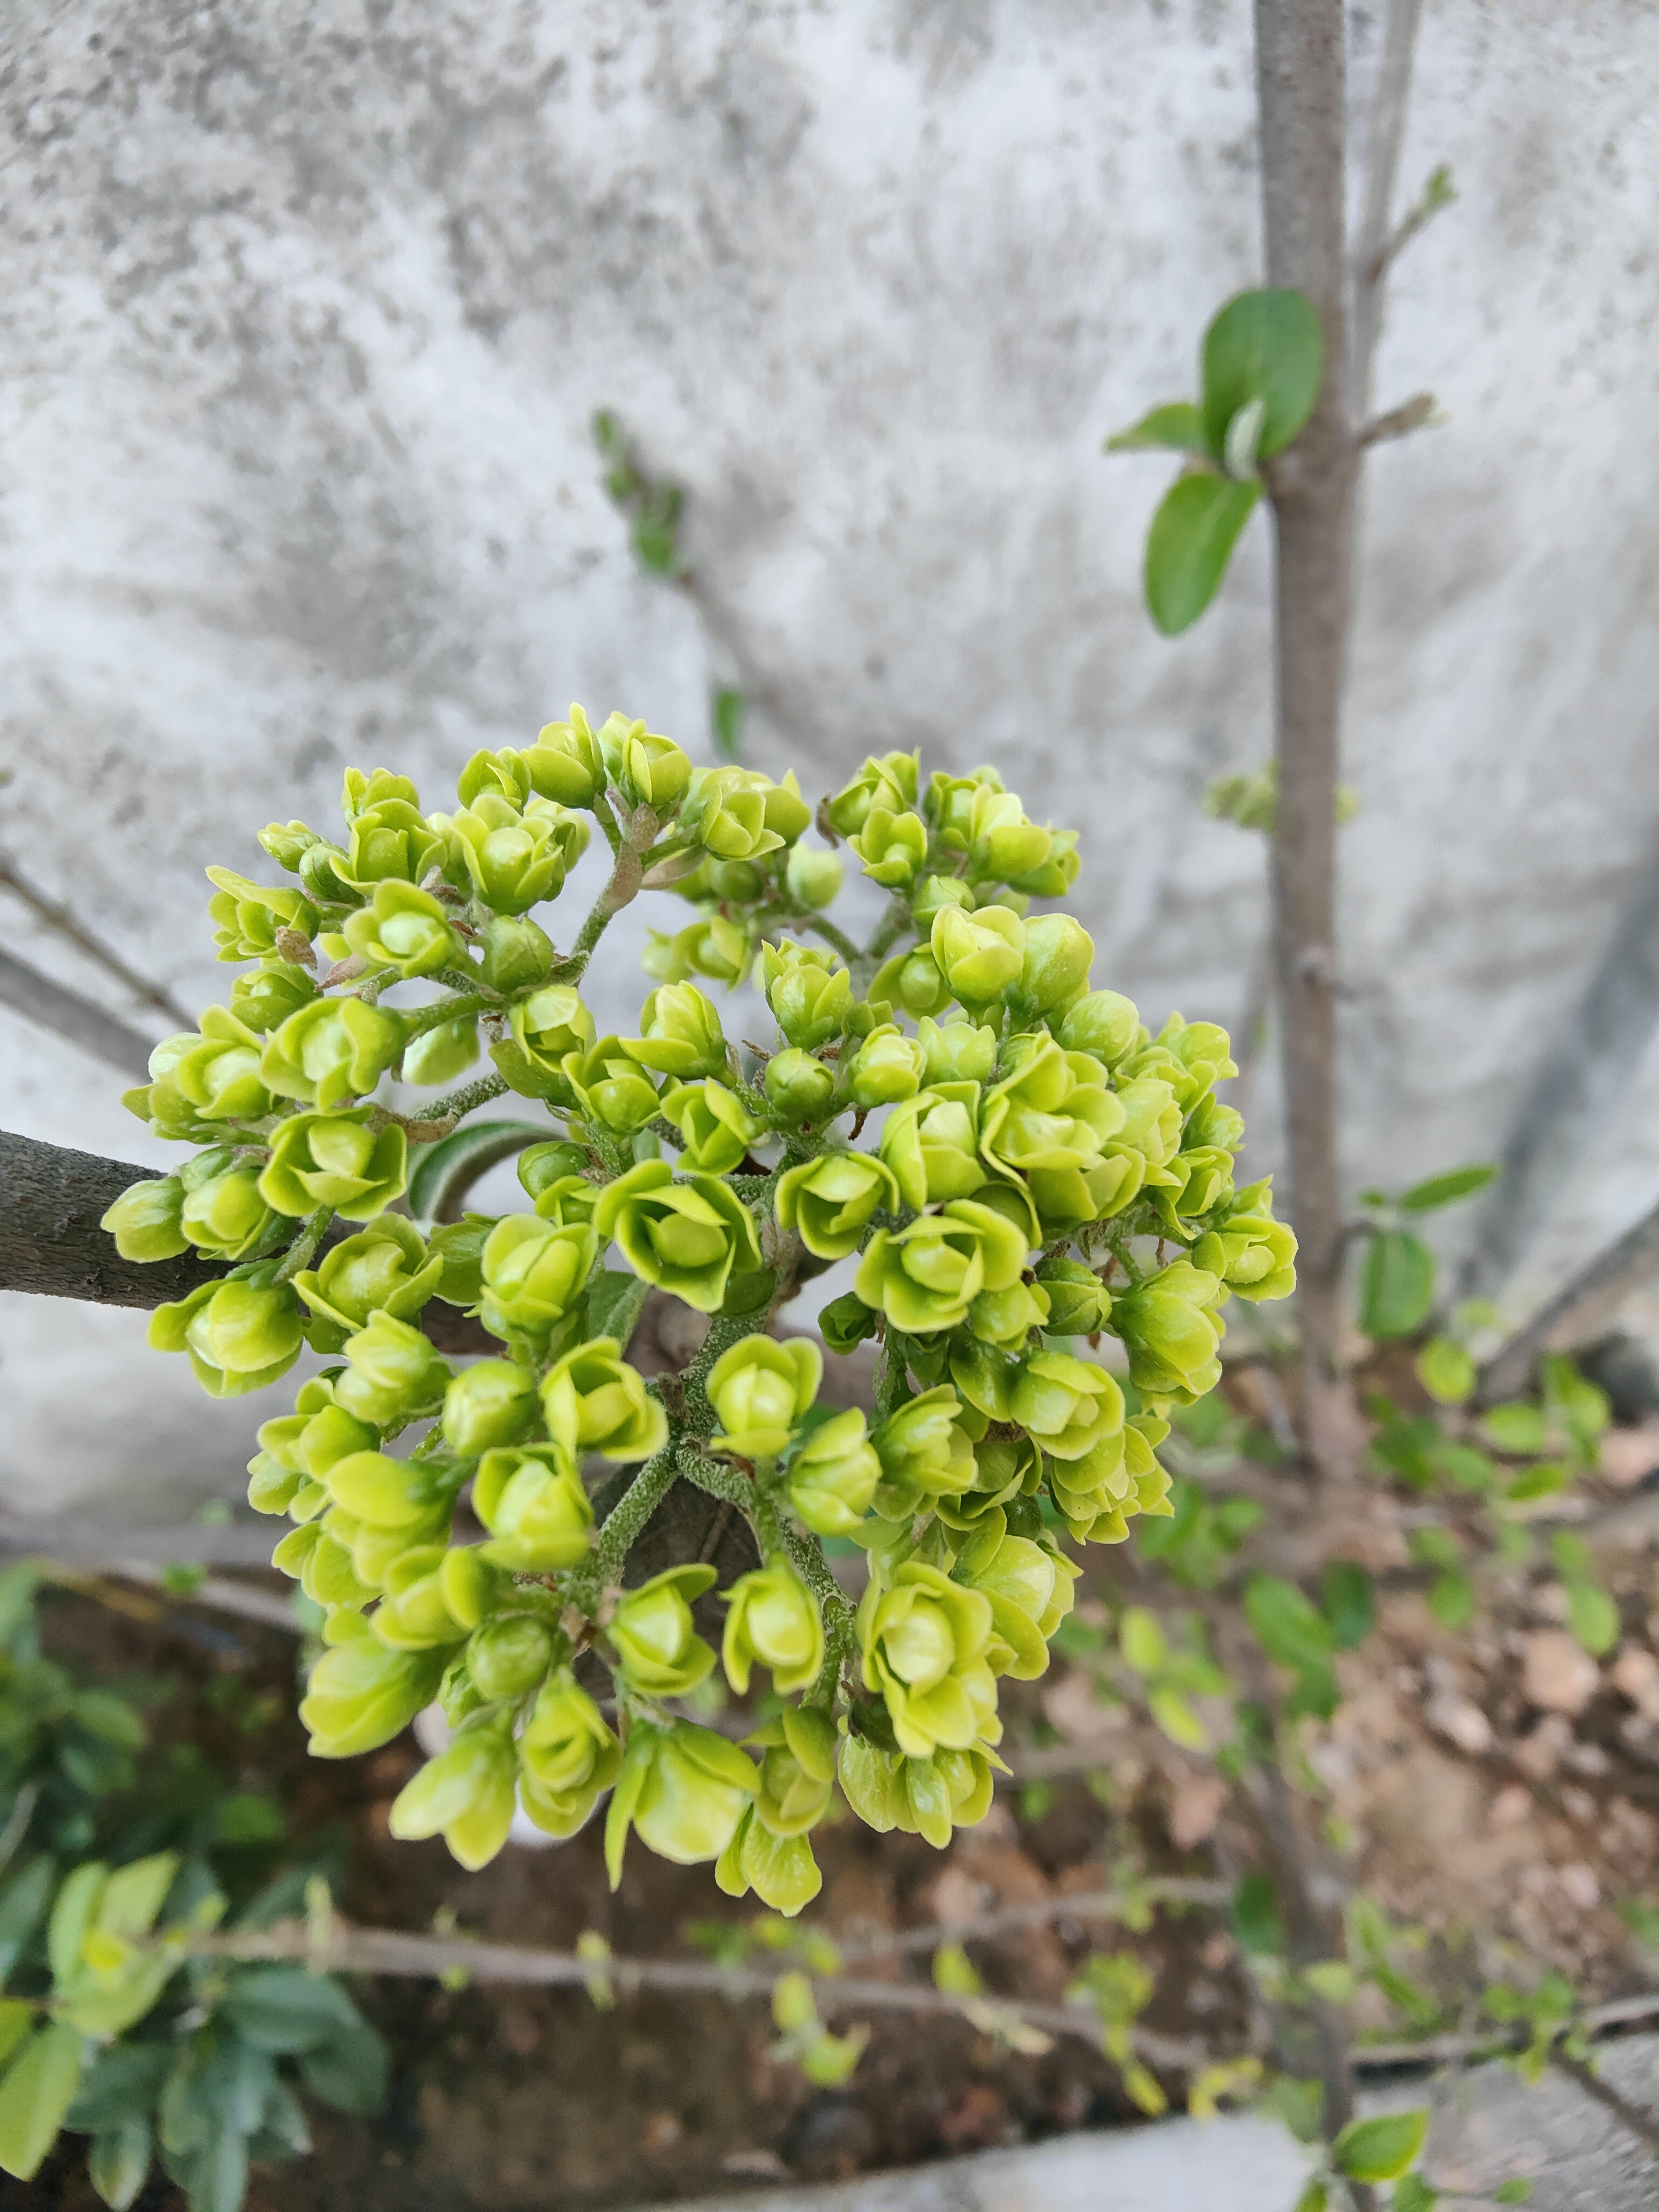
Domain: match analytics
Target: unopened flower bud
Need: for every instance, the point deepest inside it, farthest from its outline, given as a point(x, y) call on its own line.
point(798, 1087)
point(565, 763)
point(833, 1477)
point(1078, 1303)
point(360, 1694)
point(648, 769)
point(517, 952)
point(809, 993)
point(534, 1274)
point(491, 1403)
point(441, 1053)
point(681, 1033)
point(829, 1201)
point(1055, 972)
point(716, 1129)
point(508, 1657)
point(759, 1388)
point(594, 1401)
point(613, 1092)
point(335, 1160)
point(889, 782)
point(1105, 1023)
point(814, 876)
point(660, 1652)
point(532, 1502)
point(405, 929)
point(887, 1067)
point(773, 1621)
point(978, 954)
point(144, 1220)
point(892, 847)
point(225, 1216)
point(465, 1794)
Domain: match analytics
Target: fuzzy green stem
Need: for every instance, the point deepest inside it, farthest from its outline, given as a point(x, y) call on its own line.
point(633, 1509)
point(890, 1391)
point(300, 1252)
point(449, 1108)
point(422, 1018)
point(465, 980)
point(837, 939)
point(888, 931)
point(716, 1479)
point(624, 1316)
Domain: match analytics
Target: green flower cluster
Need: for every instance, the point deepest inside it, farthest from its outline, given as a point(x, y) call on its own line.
point(1044, 1173)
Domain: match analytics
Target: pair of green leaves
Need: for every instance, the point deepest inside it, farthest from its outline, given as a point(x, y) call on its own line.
point(1304, 1637)
point(1259, 371)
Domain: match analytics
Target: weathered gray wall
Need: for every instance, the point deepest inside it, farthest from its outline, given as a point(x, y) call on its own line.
point(305, 309)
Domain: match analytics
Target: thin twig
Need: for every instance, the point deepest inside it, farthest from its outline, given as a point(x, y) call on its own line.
point(52, 1006)
point(1372, 255)
point(60, 919)
point(1093, 1904)
point(1453, 2049)
point(1641, 2124)
point(1399, 422)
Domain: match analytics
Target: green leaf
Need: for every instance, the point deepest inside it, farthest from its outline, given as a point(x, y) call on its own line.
point(445, 1172)
point(1380, 2149)
point(111, 1719)
point(350, 2072)
point(1289, 1627)
point(614, 1303)
point(1451, 1599)
point(23, 1904)
point(286, 2009)
point(1315, 2197)
point(1547, 1477)
point(1517, 2191)
point(1189, 545)
point(214, 2177)
point(1592, 1617)
point(121, 2084)
point(17, 2018)
point(1643, 1922)
point(1413, 2194)
point(1143, 1641)
point(1517, 1428)
point(1177, 427)
point(35, 2092)
point(1256, 1917)
point(1176, 1718)
point(1265, 346)
point(1446, 1370)
point(1428, 1196)
point(1396, 1284)
point(726, 717)
point(118, 2162)
point(1348, 1603)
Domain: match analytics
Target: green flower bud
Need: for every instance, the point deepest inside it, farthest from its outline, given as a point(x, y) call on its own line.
point(934, 893)
point(687, 1237)
point(465, 1794)
point(288, 843)
point(1171, 1335)
point(913, 980)
point(331, 1051)
point(718, 949)
point(534, 1274)
point(648, 770)
point(541, 1166)
point(335, 1160)
point(1059, 952)
point(1001, 842)
point(508, 1657)
point(814, 876)
point(924, 1642)
point(532, 1502)
point(846, 1322)
point(726, 814)
point(246, 916)
point(502, 774)
point(547, 1027)
point(684, 1788)
point(979, 955)
point(948, 803)
point(889, 782)
point(240, 1336)
point(887, 1067)
point(567, 1756)
point(1030, 1590)
point(594, 1401)
point(570, 1201)
point(1054, 876)
point(460, 1245)
point(1152, 1126)
point(923, 1448)
point(265, 999)
point(829, 1201)
point(413, 1614)
point(393, 1373)
point(1192, 1056)
point(1067, 1404)
point(892, 847)
point(360, 792)
point(1007, 1317)
point(1252, 1253)
point(739, 882)
point(787, 812)
point(493, 1402)
point(439, 1054)
point(514, 860)
point(833, 1477)
point(516, 950)
point(772, 1621)
point(612, 1090)
point(759, 1388)
point(1210, 1123)
point(225, 1216)
point(1045, 1126)
point(1117, 1478)
point(392, 841)
point(658, 1649)
point(362, 1694)
point(272, 1487)
point(218, 1072)
point(782, 1871)
point(957, 1052)
point(1104, 1023)
point(145, 1220)
point(1006, 1468)
point(798, 1087)
point(1201, 1179)
point(403, 928)
point(931, 1143)
point(318, 1433)
point(1078, 1301)
point(809, 993)
point(925, 1276)
point(928, 1798)
point(681, 1033)
point(565, 762)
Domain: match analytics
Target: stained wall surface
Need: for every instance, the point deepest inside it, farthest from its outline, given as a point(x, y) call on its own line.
point(304, 312)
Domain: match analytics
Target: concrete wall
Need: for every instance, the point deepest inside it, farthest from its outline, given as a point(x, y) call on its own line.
point(306, 309)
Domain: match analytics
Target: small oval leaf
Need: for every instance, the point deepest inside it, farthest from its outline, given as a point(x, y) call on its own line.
point(1177, 428)
point(1446, 1190)
point(1189, 545)
point(1265, 346)
point(1380, 2149)
point(1396, 1284)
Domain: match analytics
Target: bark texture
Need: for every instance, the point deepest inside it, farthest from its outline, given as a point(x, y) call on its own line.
point(1300, 85)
